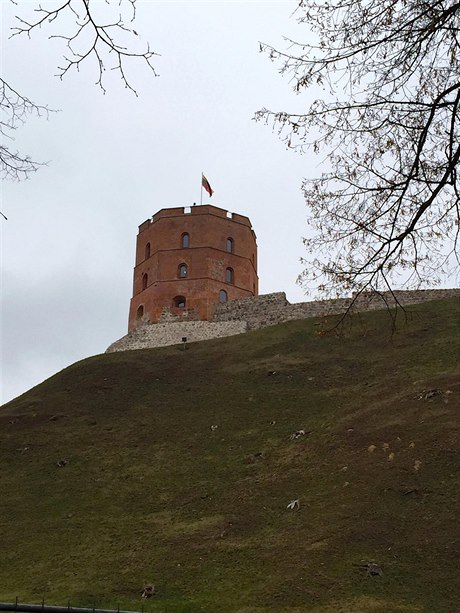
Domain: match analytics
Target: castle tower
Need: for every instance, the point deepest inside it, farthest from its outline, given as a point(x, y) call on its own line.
point(190, 259)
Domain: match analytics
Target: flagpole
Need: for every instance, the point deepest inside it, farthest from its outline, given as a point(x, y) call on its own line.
point(201, 198)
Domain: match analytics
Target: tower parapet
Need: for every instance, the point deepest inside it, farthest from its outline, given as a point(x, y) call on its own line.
point(188, 260)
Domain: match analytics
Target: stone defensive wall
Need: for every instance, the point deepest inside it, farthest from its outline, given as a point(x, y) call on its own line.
point(271, 309)
point(239, 316)
point(162, 334)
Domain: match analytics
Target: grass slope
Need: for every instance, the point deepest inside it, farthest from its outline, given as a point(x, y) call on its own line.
point(152, 494)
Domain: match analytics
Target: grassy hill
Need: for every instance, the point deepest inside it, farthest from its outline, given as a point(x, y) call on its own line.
point(153, 492)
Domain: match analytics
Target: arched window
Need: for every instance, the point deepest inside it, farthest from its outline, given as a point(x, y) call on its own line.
point(179, 302)
point(230, 245)
point(140, 312)
point(185, 241)
point(223, 298)
point(229, 275)
point(147, 251)
point(182, 271)
point(145, 280)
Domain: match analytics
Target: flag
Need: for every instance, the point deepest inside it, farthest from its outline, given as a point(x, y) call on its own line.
point(205, 184)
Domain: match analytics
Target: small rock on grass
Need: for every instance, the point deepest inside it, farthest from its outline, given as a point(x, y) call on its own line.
point(148, 591)
point(372, 569)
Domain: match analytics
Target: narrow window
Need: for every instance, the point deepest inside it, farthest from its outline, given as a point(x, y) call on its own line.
point(140, 312)
point(179, 302)
point(223, 296)
point(185, 241)
point(147, 251)
point(230, 245)
point(182, 271)
point(145, 281)
point(229, 275)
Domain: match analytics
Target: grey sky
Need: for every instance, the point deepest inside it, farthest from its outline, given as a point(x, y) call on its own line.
point(68, 245)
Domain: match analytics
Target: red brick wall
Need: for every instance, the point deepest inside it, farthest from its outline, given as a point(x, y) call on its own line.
point(206, 258)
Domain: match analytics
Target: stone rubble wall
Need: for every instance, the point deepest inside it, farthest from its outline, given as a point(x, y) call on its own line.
point(167, 316)
point(160, 335)
point(239, 316)
point(257, 311)
point(272, 309)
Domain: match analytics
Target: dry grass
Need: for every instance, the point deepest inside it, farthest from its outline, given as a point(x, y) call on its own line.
point(150, 493)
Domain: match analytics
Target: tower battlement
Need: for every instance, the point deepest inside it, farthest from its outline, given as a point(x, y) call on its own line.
point(204, 209)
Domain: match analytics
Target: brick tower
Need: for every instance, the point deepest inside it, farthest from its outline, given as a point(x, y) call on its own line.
point(190, 259)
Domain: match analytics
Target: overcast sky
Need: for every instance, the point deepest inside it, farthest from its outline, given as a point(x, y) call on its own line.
point(114, 160)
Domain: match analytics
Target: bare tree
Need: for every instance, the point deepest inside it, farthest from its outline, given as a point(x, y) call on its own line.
point(385, 211)
point(14, 110)
point(93, 31)
point(96, 31)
